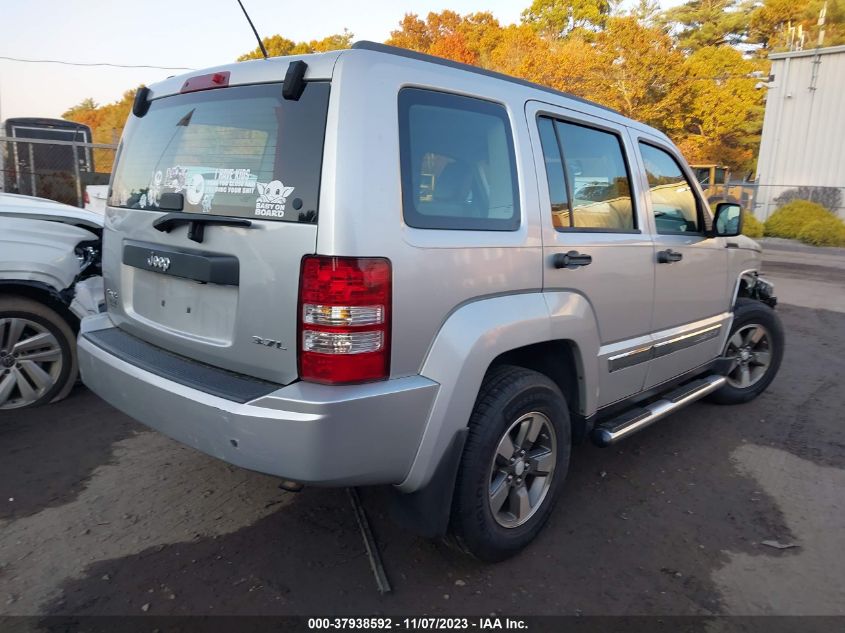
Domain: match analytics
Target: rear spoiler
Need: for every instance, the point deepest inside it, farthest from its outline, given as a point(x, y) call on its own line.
point(292, 88)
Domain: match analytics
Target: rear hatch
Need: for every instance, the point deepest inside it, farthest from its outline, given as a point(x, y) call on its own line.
point(213, 203)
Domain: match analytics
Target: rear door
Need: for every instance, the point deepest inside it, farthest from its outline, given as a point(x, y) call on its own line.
point(691, 289)
point(213, 203)
point(591, 215)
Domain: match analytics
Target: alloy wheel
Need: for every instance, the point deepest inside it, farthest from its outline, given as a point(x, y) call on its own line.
point(750, 347)
point(31, 362)
point(522, 469)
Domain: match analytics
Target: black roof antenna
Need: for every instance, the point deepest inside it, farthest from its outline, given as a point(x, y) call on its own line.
point(260, 43)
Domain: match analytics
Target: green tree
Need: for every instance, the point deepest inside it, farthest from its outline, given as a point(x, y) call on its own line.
point(646, 12)
point(83, 107)
point(702, 23)
point(558, 18)
point(278, 46)
point(770, 23)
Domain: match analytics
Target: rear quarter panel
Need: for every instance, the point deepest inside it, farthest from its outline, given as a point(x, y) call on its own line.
point(434, 271)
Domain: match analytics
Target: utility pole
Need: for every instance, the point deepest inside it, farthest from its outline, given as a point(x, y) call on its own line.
point(822, 16)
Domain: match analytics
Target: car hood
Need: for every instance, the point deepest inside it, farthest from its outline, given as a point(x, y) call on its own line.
point(38, 251)
point(30, 207)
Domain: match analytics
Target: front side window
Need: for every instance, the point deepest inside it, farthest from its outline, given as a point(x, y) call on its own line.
point(587, 167)
point(672, 199)
point(458, 165)
point(239, 151)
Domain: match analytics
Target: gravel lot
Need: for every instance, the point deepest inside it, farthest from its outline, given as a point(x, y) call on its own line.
point(100, 516)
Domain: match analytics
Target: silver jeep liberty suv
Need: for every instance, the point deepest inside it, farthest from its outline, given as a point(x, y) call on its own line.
point(372, 266)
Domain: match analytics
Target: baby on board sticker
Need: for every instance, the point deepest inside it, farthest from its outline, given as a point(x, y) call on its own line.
point(271, 198)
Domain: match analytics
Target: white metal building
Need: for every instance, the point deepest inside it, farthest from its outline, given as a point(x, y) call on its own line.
point(803, 140)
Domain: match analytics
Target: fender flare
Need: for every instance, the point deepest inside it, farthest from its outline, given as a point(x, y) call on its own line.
point(470, 340)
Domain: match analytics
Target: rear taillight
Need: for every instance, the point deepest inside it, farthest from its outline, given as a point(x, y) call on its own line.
point(344, 319)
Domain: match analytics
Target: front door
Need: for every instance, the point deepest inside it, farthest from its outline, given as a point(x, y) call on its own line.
point(691, 295)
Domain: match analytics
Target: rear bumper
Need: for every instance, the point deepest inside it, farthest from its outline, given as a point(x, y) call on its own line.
point(316, 434)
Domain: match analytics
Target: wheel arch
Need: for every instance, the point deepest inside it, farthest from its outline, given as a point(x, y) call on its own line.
point(560, 361)
point(42, 293)
point(490, 330)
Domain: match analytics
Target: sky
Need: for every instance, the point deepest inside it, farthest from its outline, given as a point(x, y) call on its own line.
point(174, 33)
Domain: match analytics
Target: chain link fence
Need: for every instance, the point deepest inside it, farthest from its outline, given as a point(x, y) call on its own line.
point(763, 199)
point(58, 170)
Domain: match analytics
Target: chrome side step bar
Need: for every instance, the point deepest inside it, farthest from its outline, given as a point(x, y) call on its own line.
point(630, 422)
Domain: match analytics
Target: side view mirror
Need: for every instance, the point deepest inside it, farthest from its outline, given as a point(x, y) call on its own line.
point(728, 221)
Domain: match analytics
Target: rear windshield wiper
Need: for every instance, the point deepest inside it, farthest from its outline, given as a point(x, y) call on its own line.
point(196, 230)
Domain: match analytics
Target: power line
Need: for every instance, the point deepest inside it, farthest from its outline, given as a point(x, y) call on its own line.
point(64, 63)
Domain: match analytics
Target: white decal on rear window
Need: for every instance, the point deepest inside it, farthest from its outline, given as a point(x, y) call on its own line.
point(235, 181)
point(271, 198)
point(200, 184)
point(155, 188)
point(175, 177)
point(195, 189)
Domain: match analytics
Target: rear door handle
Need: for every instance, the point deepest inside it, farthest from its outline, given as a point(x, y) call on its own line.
point(572, 259)
point(668, 256)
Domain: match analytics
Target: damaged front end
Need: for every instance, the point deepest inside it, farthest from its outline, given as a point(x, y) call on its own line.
point(753, 286)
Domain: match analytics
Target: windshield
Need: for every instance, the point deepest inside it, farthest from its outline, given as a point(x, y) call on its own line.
point(242, 151)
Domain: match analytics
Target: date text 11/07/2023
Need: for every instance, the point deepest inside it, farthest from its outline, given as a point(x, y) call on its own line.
point(490, 623)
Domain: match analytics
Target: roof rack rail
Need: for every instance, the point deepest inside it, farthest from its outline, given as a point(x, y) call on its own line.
point(423, 57)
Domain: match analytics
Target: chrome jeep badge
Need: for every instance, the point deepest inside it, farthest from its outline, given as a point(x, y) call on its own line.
point(159, 262)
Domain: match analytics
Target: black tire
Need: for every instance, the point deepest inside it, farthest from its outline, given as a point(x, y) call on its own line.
point(13, 306)
point(749, 312)
point(507, 394)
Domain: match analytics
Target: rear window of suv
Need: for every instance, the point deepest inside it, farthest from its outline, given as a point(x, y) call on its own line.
point(242, 151)
point(458, 166)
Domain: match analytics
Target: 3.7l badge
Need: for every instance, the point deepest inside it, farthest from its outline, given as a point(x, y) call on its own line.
point(268, 342)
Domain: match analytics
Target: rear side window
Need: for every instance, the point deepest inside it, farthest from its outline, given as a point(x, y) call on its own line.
point(458, 166)
point(672, 199)
point(242, 151)
point(588, 178)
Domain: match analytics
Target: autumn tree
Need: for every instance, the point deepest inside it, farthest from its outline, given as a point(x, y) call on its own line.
point(689, 71)
point(517, 50)
point(413, 34)
point(469, 39)
point(106, 123)
point(725, 117)
point(638, 71)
